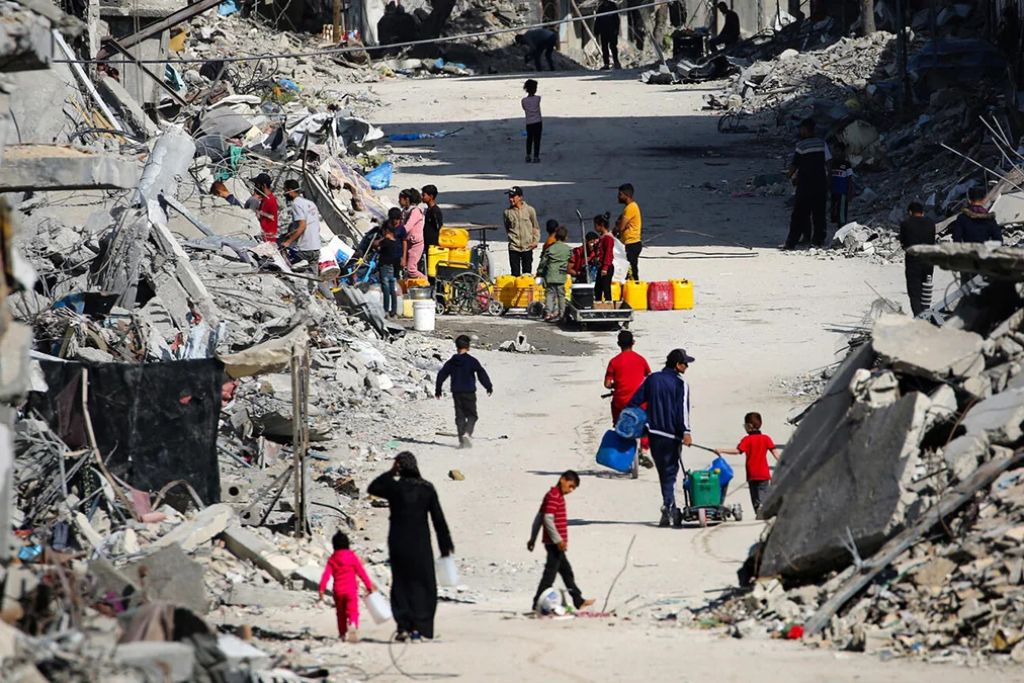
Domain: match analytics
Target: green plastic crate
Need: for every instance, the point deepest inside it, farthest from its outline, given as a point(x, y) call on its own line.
point(705, 491)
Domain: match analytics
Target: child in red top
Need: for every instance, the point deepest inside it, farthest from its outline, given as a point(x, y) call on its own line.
point(344, 566)
point(756, 447)
point(553, 518)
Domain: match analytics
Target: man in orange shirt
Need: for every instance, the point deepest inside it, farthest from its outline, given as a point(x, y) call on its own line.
point(628, 229)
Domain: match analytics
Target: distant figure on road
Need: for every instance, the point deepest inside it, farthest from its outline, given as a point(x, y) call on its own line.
point(539, 40)
point(809, 171)
point(667, 396)
point(607, 30)
point(730, 33)
point(411, 499)
point(629, 227)
point(975, 222)
point(534, 122)
point(464, 371)
point(917, 229)
point(523, 232)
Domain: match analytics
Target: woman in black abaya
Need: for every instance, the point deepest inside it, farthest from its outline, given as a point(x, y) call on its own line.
point(413, 584)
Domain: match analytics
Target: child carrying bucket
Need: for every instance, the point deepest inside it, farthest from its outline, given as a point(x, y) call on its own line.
point(344, 566)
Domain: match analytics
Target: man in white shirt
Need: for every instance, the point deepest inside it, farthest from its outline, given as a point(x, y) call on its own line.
point(305, 227)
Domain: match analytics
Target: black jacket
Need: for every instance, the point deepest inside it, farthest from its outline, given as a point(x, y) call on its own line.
point(607, 26)
point(464, 371)
point(916, 230)
point(975, 224)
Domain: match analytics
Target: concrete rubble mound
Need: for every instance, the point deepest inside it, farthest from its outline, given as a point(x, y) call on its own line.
point(897, 511)
point(165, 374)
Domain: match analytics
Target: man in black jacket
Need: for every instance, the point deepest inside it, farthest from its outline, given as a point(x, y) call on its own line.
point(975, 223)
point(917, 229)
point(730, 33)
point(464, 370)
point(607, 30)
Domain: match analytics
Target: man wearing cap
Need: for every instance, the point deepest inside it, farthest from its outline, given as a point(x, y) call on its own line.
point(266, 206)
point(304, 231)
point(667, 396)
point(523, 232)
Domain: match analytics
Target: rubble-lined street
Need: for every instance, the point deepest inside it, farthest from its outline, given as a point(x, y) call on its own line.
point(195, 400)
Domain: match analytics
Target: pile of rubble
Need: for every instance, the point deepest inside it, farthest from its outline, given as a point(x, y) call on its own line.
point(897, 511)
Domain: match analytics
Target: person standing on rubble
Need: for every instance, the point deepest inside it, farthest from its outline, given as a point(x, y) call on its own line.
point(304, 231)
point(607, 29)
point(730, 33)
point(809, 172)
point(667, 396)
point(916, 229)
point(412, 221)
point(411, 500)
point(975, 222)
point(629, 227)
point(523, 232)
point(266, 206)
point(539, 40)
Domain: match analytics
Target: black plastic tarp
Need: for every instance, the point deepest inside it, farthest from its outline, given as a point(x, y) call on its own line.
point(154, 422)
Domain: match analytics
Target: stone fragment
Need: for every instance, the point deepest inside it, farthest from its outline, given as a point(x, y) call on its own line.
point(241, 654)
point(200, 529)
point(1000, 417)
point(246, 545)
point(162, 661)
point(264, 596)
point(919, 348)
point(963, 454)
point(57, 167)
point(169, 575)
point(876, 390)
point(933, 573)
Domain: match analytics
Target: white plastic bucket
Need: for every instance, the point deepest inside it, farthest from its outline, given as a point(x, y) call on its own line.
point(447, 572)
point(423, 311)
point(378, 607)
point(329, 269)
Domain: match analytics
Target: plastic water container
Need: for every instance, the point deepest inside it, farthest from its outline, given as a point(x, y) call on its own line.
point(568, 286)
point(631, 423)
point(705, 490)
point(406, 308)
point(505, 286)
point(453, 238)
point(616, 452)
point(659, 296)
point(616, 291)
point(378, 607)
point(447, 572)
point(459, 256)
point(523, 294)
point(682, 294)
point(635, 294)
point(423, 312)
point(412, 282)
point(435, 255)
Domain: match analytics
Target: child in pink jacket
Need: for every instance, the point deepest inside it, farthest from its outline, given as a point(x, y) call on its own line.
point(344, 566)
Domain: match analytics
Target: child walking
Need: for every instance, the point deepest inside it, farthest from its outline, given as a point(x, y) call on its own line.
point(553, 518)
point(534, 122)
point(344, 566)
point(755, 446)
point(464, 370)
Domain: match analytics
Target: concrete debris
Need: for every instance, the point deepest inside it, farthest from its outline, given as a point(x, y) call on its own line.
point(854, 531)
point(29, 168)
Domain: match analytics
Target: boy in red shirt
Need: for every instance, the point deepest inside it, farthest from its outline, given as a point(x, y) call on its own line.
point(625, 373)
point(755, 446)
point(553, 518)
point(267, 207)
point(344, 566)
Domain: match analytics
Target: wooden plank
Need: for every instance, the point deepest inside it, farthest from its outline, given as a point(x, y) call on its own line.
point(960, 495)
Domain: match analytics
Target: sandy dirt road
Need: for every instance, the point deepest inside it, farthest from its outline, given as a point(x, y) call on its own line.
point(760, 315)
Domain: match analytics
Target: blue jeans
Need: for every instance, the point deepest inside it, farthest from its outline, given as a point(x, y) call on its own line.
point(388, 283)
point(665, 453)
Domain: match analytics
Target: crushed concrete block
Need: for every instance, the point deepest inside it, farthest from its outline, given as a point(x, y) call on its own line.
point(917, 347)
point(240, 653)
point(246, 545)
point(877, 391)
point(309, 576)
point(964, 453)
point(200, 529)
point(245, 594)
point(163, 661)
point(859, 491)
point(125, 106)
point(58, 167)
point(171, 576)
point(1000, 417)
point(943, 406)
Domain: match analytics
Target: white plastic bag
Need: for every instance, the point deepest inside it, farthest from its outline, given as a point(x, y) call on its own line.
point(447, 572)
point(378, 607)
point(620, 262)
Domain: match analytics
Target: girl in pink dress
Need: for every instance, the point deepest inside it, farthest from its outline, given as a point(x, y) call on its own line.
point(412, 220)
point(344, 566)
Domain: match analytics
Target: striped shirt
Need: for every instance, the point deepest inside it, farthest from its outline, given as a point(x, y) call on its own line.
point(554, 514)
point(810, 160)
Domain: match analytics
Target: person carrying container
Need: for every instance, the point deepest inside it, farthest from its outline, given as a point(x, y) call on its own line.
point(667, 396)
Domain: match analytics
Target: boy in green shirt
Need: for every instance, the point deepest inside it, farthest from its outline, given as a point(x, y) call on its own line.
point(554, 264)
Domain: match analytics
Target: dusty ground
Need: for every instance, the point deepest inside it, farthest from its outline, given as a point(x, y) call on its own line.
point(760, 316)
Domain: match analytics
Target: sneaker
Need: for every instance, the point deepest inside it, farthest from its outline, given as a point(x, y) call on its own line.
point(415, 637)
point(466, 442)
point(664, 521)
point(645, 461)
point(401, 637)
point(353, 636)
point(586, 603)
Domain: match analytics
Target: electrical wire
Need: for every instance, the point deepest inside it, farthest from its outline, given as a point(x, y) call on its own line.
point(363, 48)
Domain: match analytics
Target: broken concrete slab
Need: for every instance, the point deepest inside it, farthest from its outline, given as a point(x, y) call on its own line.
point(200, 529)
point(963, 454)
point(997, 262)
point(62, 167)
point(858, 493)
point(918, 348)
point(1000, 417)
point(241, 654)
point(309, 576)
point(162, 661)
point(125, 106)
point(247, 545)
point(819, 433)
point(171, 576)
point(269, 596)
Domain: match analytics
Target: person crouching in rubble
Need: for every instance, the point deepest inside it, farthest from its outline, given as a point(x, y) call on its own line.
point(343, 567)
point(539, 40)
point(304, 231)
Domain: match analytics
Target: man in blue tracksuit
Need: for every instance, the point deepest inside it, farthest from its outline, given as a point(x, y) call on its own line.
point(668, 424)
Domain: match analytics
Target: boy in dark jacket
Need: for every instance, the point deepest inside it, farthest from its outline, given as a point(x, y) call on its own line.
point(917, 229)
point(667, 396)
point(975, 223)
point(464, 370)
